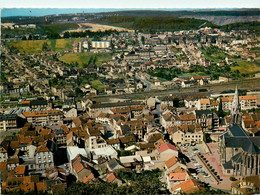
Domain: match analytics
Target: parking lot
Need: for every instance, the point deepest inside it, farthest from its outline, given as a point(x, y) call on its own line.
point(191, 152)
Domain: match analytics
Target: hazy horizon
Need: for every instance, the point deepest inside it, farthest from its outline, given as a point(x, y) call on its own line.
point(9, 12)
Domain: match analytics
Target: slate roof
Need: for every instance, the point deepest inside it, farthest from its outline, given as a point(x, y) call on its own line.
point(199, 113)
point(237, 158)
point(242, 142)
point(237, 130)
point(113, 164)
point(228, 165)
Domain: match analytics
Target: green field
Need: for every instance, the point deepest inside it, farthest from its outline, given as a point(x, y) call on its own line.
point(246, 67)
point(84, 59)
point(214, 54)
point(35, 46)
point(96, 84)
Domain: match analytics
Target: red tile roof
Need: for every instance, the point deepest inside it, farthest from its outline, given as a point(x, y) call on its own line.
point(41, 186)
point(111, 177)
point(3, 166)
point(42, 148)
point(170, 162)
point(166, 146)
point(77, 165)
point(187, 187)
point(87, 179)
point(19, 170)
point(15, 144)
point(177, 176)
point(28, 187)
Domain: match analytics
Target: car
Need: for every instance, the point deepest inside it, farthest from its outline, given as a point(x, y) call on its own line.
point(184, 150)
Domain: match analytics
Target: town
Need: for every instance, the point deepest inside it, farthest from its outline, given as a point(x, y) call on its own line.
point(115, 110)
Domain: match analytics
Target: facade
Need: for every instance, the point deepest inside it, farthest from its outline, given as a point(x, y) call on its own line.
point(3, 154)
point(95, 142)
point(204, 104)
point(8, 121)
point(246, 102)
point(181, 137)
point(43, 118)
point(207, 120)
point(100, 44)
point(43, 158)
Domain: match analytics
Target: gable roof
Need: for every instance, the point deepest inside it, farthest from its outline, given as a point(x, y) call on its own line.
point(3, 166)
point(77, 165)
point(41, 186)
point(19, 170)
point(88, 178)
point(28, 187)
point(170, 162)
point(187, 187)
point(165, 146)
point(177, 176)
point(111, 177)
point(42, 148)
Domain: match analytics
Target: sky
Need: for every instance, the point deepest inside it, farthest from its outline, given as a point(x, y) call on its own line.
point(130, 3)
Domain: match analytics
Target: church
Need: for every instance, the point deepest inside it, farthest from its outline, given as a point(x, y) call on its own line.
point(239, 153)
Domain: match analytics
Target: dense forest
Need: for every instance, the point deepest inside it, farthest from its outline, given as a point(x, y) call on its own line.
point(171, 23)
point(153, 23)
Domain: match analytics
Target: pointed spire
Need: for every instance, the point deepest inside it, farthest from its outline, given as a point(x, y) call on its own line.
point(235, 110)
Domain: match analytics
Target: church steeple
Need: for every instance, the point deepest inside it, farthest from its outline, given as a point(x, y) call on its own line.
point(235, 110)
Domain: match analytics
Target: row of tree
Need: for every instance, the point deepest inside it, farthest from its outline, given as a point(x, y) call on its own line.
point(89, 33)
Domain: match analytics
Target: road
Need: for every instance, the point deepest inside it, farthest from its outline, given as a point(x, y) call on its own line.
point(147, 83)
point(245, 84)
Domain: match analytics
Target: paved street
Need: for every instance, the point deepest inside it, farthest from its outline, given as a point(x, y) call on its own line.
point(147, 83)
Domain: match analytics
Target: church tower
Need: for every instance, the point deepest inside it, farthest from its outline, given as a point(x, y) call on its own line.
point(235, 110)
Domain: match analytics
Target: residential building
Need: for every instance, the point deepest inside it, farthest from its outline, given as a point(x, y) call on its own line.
point(8, 121)
point(45, 117)
point(43, 158)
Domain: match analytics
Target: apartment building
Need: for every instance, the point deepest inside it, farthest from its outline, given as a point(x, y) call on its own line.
point(45, 117)
point(246, 102)
point(8, 121)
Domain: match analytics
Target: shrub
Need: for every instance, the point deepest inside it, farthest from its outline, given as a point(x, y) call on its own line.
point(232, 179)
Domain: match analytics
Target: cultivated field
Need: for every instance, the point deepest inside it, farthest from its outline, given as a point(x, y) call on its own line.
point(247, 67)
point(35, 46)
point(97, 27)
point(84, 59)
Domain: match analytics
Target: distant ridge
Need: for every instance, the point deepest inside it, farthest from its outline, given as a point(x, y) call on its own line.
point(8, 12)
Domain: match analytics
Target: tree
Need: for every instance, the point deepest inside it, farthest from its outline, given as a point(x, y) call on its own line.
point(206, 138)
point(30, 37)
point(125, 153)
point(66, 35)
point(220, 109)
point(45, 46)
point(143, 40)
